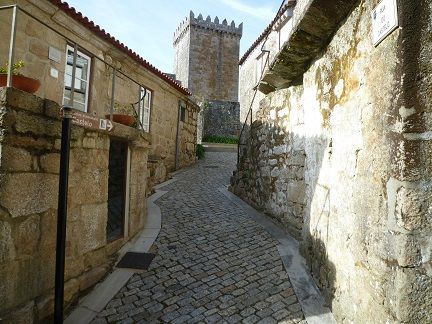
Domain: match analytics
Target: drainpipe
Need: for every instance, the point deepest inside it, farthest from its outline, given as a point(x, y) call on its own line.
point(177, 148)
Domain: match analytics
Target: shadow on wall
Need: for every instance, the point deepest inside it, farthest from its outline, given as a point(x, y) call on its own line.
point(274, 176)
point(321, 268)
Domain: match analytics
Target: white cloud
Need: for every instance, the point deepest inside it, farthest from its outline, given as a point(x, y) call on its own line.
point(264, 13)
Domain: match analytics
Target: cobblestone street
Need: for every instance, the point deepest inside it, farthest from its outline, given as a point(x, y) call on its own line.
point(213, 263)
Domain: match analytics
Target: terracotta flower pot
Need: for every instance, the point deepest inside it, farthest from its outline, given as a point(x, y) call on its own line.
point(21, 82)
point(122, 119)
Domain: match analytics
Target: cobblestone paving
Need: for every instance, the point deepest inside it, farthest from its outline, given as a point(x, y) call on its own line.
point(213, 264)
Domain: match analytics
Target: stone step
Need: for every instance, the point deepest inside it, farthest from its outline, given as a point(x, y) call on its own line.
point(219, 147)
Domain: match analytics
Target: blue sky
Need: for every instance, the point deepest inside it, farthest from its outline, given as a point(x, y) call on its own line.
point(147, 26)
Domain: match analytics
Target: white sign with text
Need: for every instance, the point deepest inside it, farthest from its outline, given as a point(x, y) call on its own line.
point(384, 20)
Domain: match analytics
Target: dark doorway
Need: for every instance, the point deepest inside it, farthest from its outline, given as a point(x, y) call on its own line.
point(116, 188)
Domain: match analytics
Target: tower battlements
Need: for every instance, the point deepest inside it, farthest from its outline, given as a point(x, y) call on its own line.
point(206, 56)
point(207, 23)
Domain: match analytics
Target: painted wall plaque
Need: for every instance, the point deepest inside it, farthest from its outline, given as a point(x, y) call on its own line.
point(384, 20)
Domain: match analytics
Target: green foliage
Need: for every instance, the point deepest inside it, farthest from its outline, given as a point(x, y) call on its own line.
point(221, 139)
point(200, 151)
point(125, 109)
point(202, 103)
point(205, 105)
point(15, 67)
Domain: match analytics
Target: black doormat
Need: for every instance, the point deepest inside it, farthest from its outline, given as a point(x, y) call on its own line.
point(135, 260)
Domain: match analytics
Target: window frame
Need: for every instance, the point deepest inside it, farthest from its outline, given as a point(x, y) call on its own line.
point(89, 73)
point(259, 64)
point(145, 125)
point(183, 113)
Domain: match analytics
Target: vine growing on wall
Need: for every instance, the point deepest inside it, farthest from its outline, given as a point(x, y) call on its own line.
point(202, 103)
point(200, 152)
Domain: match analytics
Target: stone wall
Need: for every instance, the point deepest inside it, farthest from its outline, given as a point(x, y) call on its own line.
point(248, 80)
point(29, 166)
point(32, 46)
point(188, 136)
point(256, 61)
point(366, 139)
point(186, 142)
point(157, 173)
point(200, 126)
point(275, 158)
point(163, 129)
point(222, 118)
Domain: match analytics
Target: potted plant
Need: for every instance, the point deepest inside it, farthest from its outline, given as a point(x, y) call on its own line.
point(123, 114)
point(18, 80)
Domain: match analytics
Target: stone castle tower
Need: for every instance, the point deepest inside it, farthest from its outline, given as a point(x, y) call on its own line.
point(206, 57)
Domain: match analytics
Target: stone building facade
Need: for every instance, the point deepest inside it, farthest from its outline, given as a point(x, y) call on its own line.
point(338, 152)
point(30, 129)
point(257, 58)
point(29, 169)
point(206, 62)
point(36, 46)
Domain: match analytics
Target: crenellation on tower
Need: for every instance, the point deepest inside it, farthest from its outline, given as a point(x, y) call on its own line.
point(207, 23)
point(206, 62)
point(206, 56)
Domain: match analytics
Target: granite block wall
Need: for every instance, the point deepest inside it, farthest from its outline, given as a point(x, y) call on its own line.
point(222, 118)
point(30, 130)
point(270, 176)
point(365, 138)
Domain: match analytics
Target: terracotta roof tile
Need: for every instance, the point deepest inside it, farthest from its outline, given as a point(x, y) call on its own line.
point(78, 16)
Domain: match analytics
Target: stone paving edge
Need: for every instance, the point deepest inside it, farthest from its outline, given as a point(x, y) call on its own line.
point(90, 305)
point(308, 294)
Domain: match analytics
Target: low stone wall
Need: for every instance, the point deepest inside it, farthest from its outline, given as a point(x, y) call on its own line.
point(30, 143)
point(270, 175)
point(222, 118)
